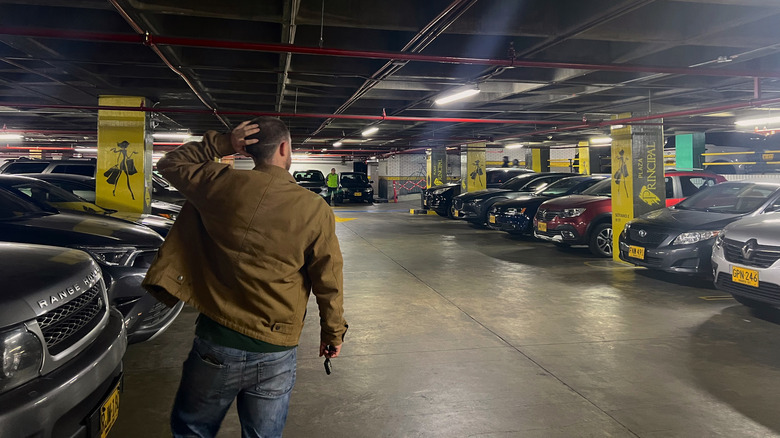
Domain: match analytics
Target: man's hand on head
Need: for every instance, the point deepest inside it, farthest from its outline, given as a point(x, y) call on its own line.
point(239, 135)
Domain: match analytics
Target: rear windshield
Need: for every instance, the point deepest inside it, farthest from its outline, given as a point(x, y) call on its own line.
point(315, 176)
point(75, 169)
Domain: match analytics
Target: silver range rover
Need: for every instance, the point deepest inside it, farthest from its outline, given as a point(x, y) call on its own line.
point(61, 344)
point(746, 260)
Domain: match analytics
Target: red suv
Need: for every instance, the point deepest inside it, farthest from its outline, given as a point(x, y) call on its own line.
point(587, 219)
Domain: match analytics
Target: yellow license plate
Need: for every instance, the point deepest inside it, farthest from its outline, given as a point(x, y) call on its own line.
point(744, 276)
point(636, 252)
point(542, 226)
point(492, 219)
point(456, 213)
point(109, 412)
point(358, 194)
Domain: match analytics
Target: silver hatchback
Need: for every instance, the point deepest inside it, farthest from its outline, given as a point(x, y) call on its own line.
point(745, 260)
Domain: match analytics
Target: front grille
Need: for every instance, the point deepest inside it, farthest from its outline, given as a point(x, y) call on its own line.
point(547, 215)
point(65, 325)
point(155, 315)
point(650, 239)
point(765, 292)
point(763, 257)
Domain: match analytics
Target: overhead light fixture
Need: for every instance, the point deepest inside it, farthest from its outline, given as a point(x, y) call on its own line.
point(324, 150)
point(514, 146)
point(337, 144)
point(614, 127)
point(600, 140)
point(457, 96)
point(11, 136)
point(86, 150)
point(171, 135)
point(758, 122)
point(371, 130)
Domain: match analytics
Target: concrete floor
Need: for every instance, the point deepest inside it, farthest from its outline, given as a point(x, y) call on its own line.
point(457, 331)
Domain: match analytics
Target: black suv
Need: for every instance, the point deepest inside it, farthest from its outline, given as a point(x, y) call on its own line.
point(313, 180)
point(354, 186)
point(123, 250)
point(61, 344)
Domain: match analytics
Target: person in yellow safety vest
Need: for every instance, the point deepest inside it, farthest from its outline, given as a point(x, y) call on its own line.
point(333, 184)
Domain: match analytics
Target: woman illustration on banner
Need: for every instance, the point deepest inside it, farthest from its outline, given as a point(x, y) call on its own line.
point(124, 165)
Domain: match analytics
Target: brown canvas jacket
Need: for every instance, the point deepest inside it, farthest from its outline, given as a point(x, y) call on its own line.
point(248, 247)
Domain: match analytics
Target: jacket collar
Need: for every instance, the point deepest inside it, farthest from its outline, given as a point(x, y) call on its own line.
point(275, 171)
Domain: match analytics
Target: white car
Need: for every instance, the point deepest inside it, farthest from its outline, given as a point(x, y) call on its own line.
point(745, 260)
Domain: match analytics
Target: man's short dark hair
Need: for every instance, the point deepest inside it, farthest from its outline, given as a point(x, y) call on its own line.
point(272, 133)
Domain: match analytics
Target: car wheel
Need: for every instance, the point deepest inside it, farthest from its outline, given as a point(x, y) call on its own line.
point(601, 240)
point(451, 211)
point(750, 302)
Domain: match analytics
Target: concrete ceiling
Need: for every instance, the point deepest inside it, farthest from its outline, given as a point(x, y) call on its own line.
point(545, 69)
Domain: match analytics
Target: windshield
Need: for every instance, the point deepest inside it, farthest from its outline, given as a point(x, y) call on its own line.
point(601, 188)
point(50, 195)
point(518, 182)
point(14, 207)
point(560, 187)
point(353, 178)
point(730, 198)
point(309, 176)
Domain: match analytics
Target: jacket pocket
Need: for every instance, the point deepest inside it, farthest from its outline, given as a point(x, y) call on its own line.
point(283, 328)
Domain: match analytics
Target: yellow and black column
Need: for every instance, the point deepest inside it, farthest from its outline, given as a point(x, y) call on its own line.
point(124, 162)
point(638, 184)
point(472, 167)
point(437, 166)
point(539, 159)
point(583, 153)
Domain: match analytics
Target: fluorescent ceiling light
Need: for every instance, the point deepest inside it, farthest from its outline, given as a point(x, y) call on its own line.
point(337, 144)
point(514, 146)
point(86, 150)
point(613, 127)
point(755, 122)
point(600, 140)
point(11, 136)
point(369, 131)
point(457, 96)
point(171, 135)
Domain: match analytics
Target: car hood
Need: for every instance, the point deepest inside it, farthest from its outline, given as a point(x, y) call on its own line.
point(357, 186)
point(165, 207)
point(37, 273)
point(158, 223)
point(764, 228)
point(575, 201)
point(482, 194)
point(73, 229)
point(312, 184)
point(684, 220)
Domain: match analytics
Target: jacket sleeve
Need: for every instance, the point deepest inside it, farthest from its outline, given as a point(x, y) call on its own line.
point(191, 167)
point(325, 266)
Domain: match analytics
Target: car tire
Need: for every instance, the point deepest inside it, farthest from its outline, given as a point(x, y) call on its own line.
point(600, 242)
point(753, 304)
point(451, 211)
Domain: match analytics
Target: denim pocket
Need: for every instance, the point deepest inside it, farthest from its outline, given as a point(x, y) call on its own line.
point(207, 356)
point(276, 374)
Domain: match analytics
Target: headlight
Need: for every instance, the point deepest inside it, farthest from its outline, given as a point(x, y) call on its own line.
point(694, 237)
point(22, 357)
point(439, 191)
point(368, 190)
point(475, 200)
point(171, 216)
point(514, 211)
point(572, 212)
point(720, 238)
point(110, 256)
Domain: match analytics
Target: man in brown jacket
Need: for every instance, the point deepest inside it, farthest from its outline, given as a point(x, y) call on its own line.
point(246, 251)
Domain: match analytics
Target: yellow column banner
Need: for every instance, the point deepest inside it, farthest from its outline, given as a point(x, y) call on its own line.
point(584, 153)
point(124, 162)
point(428, 169)
point(622, 182)
point(475, 177)
point(536, 160)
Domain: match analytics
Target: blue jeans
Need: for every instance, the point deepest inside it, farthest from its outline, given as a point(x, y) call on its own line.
point(214, 376)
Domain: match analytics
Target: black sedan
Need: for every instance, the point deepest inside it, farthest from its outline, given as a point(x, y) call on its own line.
point(123, 250)
point(680, 238)
point(474, 206)
point(517, 215)
point(51, 197)
point(439, 197)
point(313, 180)
point(84, 187)
point(354, 186)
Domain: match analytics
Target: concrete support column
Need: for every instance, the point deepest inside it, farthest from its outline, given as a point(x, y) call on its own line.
point(583, 151)
point(638, 184)
point(688, 151)
point(472, 167)
point(539, 159)
point(124, 160)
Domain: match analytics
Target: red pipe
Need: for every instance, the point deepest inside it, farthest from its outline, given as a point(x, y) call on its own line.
point(400, 56)
point(291, 115)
